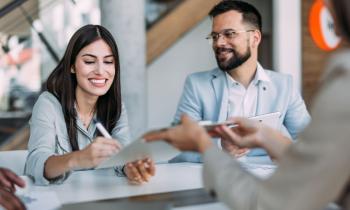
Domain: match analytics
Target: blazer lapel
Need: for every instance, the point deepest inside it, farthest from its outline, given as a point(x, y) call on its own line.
point(219, 83)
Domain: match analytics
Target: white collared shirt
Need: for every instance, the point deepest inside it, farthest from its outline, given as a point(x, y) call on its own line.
point(241, 101)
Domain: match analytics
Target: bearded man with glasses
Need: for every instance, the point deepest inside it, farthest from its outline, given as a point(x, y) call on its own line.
point(240, 86)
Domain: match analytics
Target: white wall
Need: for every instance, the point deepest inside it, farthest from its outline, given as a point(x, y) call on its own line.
point(287, 38)
point(167, 74)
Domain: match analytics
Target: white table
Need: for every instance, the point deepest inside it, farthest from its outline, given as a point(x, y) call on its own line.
point(100, 184)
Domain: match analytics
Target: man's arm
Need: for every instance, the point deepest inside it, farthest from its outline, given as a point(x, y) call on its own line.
point(297, 117)
point(189, 102)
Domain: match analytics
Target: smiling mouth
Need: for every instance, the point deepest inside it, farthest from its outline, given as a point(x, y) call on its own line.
point(223, 53)
point(98, 82)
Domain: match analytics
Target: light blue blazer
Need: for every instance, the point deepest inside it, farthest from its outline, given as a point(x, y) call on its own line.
point(205, 97)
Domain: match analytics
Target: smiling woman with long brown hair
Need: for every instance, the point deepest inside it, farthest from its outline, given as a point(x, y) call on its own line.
point(84, 86)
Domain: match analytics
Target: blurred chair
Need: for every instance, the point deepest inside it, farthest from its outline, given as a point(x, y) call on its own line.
point(14, 160)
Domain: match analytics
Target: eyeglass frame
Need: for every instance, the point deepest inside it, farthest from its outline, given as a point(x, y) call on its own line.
point(221, 33)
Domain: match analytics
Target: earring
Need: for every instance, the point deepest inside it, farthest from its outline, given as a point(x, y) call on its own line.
point(72, 71)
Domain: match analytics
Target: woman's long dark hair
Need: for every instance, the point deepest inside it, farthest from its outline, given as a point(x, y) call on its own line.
point(342, 12)
point(62, 83)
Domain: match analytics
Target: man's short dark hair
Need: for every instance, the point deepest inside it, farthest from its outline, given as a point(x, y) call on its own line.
point(250, 14)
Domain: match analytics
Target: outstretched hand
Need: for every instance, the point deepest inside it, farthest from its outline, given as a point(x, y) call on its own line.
point(188, 136)
point(8, 200)
point(8, 180)
point(251, 134)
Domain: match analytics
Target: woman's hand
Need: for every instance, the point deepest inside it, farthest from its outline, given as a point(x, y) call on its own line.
point(140, 171)
point(89, 157)
point(99, 150)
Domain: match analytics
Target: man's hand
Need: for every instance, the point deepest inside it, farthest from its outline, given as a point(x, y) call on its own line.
point(250, 134)
point(9, 201)
point(233, 149)
point(188, 136)
point(140, 171)
point(8, 180)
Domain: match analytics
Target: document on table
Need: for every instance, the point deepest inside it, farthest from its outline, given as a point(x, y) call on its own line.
point(43, 200)
point(158, 151)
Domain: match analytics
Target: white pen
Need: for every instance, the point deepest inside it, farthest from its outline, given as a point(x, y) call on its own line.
point(102, 129)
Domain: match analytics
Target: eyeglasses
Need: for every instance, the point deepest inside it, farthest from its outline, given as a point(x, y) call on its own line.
point(228, 34)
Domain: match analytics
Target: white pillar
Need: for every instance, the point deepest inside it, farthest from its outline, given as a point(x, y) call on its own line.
point(125, 19)
point(287, 42)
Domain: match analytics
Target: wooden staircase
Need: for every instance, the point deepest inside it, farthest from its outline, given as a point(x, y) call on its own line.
point(177, 23)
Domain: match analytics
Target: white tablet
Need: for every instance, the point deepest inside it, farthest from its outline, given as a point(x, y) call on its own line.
point(270, 119)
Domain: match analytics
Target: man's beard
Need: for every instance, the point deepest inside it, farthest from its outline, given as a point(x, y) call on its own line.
point(235, 60)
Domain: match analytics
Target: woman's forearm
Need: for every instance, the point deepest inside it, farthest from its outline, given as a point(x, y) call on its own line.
point(55, 166)
point(276, 145)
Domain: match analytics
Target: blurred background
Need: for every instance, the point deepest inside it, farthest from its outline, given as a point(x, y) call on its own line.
point(160, 42)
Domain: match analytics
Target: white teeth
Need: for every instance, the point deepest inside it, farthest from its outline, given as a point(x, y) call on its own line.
point(98, 81)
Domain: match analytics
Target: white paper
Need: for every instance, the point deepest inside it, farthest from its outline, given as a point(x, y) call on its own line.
point(45, 200)
point(158, 151)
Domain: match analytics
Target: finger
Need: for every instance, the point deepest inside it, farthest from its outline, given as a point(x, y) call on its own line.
point(239, 120)
point(14, 178)
point(104, 149)
point(230, 135)
point(100, 154)
point(140, 165)
point(111, 142)
point(222, 133)
point(241, 141)
point(132, 173)
point(119, 145)
point(133, 182)
point(5, 183)
point(156, 136)
point(232, 149)
point(11, 201)
point(151, 167)
point(249, 141)
point(213, 133)
point(104, 153)
point(245, 123)
point(242, 152)
point(228, 145)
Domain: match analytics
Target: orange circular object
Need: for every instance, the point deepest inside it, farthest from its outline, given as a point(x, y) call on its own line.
point(323, 37)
